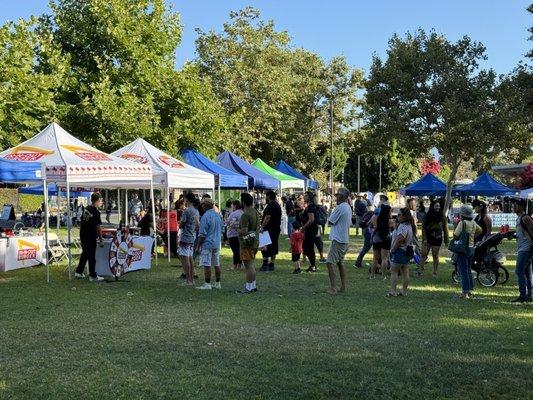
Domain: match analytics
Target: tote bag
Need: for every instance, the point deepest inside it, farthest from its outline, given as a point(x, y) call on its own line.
point(460, 245)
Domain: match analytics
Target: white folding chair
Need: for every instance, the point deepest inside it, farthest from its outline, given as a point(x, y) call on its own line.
point(57, 249)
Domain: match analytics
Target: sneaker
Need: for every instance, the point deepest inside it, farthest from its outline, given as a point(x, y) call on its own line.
point(79, 276)
point(311, 269)
point(358, 265)
point(187, 283)
point(205, 286)
point(246, 291)
point(297, 271)
point(323, 260)
point(520, 300)
point(216, 285)
point(96, 279)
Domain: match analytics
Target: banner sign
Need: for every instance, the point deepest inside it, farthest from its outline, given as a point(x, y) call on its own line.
point(21, 252)
point(125, 253)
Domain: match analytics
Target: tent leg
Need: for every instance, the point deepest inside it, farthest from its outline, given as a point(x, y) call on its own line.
point(58, 201)
point(168, 224)
point(219, 197)
point(153, 220)
point(118, 206)
point(69, 223)
point(126, 216)
point(46, 229)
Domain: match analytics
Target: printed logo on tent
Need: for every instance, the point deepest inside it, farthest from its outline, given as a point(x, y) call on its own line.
point(27, 153)
point(86, 154)
point(134, 157)
point(122, 253)
point(27, 250)
point(171, 162)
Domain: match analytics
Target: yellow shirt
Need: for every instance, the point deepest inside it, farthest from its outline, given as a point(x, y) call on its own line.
point(471, 227)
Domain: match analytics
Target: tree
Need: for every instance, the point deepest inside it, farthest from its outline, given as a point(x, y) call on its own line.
point(276, 95)
point(431, 93)
point(32, 72)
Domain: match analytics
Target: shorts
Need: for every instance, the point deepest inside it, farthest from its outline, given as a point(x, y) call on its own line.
point(273, 248)
point(248, 254)
point(296, 257)
point(400, 257)
point(185, 249)
point(378, 246)
point(434, 238)
point(336, 252)
point(210, 258)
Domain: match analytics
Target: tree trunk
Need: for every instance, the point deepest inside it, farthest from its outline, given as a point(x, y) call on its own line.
point(449, 186)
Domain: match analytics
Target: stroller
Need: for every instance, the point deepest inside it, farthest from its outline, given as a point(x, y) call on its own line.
point(487, 261)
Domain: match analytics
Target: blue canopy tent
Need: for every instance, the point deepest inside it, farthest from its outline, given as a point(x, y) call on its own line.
point(282, 166)
point(26, 172)
point(257, 179)
point(226, 179)
point(428, 185)
point(52, 191)
point(485, 185)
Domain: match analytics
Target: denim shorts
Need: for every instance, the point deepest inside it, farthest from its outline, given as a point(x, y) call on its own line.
point(400, 257)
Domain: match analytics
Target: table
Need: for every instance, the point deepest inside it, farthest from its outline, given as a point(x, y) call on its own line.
point(21, 252)
point(119, 256)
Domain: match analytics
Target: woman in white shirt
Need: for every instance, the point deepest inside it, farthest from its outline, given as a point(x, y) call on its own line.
point(402, 251)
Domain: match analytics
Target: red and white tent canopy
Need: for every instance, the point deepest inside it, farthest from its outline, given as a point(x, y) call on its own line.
point(167, 171)
point(68, 159)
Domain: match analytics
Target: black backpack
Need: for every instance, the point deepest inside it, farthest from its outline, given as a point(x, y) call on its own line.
point(365, 220)
point(321, 216)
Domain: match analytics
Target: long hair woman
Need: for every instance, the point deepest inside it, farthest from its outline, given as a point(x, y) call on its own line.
point(482, 219)
point(434, 231)
point(381, 240)
point(402, 251)
point(310, 229)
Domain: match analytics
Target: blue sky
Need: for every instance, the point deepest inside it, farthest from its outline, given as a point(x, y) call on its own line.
point(356, 29)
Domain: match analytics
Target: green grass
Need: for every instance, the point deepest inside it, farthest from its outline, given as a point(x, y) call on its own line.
point(147, 338)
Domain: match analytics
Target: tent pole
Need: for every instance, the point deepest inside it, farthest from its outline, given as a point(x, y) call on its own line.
point(168, 224)
point(118, 206)
point(46, 229)
point(219, 195)
point(153, 220)
point(58, 201)
point(69, 223)
point(126, 211)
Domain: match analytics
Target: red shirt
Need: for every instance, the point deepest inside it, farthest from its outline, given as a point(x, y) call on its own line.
point(297, 240)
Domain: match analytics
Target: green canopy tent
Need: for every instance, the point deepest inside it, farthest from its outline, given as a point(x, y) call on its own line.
point(286, 181)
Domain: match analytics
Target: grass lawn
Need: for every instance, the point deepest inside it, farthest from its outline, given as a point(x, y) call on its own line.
point(147, 338)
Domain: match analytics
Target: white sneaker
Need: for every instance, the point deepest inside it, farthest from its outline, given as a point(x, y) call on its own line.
point(205, 286)
point(79, 276)
point(97, 279)
point(216, 285)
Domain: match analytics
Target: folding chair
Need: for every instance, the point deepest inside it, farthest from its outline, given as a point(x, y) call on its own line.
point(58, 251)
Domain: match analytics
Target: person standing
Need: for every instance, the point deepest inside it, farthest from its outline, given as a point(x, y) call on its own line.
point(187, 235)
point(233, 222)
point(340, 221)
point(271, 223)
point(296, 242)
point(135, 206)
point(434, 230)
point(524, 255)
point(290, 212)
point(249, 241)
point(310, 229)
point(402, 251)
point(482, 219)
point(360, 208)
point(464, 259)
point(90, 232)
point(108, 210)
point(209, 240)
point(381, 240)
point(368, 230)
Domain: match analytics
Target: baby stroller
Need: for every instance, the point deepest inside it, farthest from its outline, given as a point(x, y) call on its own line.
point(488, 261)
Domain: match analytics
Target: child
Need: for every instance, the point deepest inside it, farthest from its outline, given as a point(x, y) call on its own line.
point(296, 240)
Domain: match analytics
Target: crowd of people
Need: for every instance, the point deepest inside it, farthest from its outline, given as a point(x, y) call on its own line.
point(394, 241)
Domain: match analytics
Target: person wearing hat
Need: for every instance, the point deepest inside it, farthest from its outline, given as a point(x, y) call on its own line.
point(464, 260)
point(524, 255)
point(340, 221)
point(209, 239)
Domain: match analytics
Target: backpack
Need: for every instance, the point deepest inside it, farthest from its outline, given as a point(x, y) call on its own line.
point(321, 216)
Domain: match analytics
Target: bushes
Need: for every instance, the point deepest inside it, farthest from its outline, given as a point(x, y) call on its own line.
point(22, 202)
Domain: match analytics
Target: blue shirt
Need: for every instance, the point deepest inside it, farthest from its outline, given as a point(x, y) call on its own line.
point(341, 220)
point(211, 229)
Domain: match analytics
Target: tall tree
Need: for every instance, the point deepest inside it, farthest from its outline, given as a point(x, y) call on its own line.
point(431, 93)
point(32, 72)
point(277, 95)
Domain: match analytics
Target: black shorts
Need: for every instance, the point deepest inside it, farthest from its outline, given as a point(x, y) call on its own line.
point(272, 249)
point(434, 238)
point(381, 245)
point(296, 257)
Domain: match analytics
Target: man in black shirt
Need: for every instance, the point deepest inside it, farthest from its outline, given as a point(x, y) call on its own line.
point(272, 224)
point(90, 230)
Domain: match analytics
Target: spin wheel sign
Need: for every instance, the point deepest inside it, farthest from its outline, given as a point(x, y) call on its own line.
point(123, 253)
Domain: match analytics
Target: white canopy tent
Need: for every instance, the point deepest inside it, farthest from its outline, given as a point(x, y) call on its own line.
point(69, 161)
point(168, 172)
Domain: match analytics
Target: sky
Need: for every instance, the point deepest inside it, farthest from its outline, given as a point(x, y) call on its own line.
point(356, 29)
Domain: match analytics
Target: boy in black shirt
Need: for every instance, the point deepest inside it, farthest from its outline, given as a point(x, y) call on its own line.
point(90, 230)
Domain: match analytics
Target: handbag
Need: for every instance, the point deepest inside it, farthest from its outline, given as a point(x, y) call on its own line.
point(460, 245)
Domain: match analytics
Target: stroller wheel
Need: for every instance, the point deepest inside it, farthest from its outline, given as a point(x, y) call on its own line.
point(503, 275)
point(487, 277)
point(456, 276)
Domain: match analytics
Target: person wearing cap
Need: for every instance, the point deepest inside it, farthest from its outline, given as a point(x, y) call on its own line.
point(340, 221)
point(464, 260)
point(209, 240)
point(524, 255)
